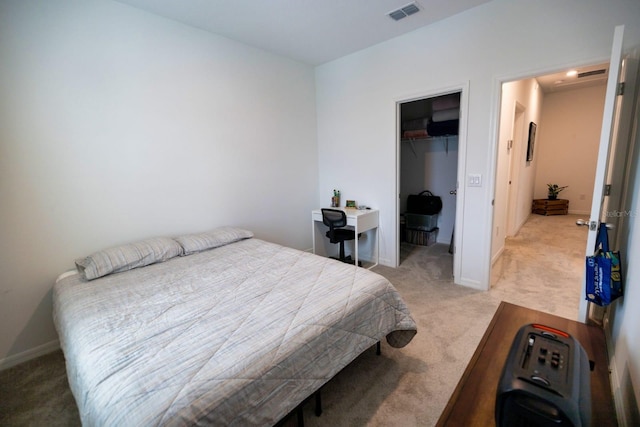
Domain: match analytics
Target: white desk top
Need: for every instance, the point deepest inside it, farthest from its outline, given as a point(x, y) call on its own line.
point(351, 212)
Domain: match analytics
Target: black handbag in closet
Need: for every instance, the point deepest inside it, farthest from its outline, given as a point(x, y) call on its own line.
point(424, 203)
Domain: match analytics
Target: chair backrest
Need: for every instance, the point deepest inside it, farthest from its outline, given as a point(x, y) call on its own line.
point(334, 218)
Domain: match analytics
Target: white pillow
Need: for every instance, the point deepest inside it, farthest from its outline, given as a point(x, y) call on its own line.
point(127, 257)
point(192, 243)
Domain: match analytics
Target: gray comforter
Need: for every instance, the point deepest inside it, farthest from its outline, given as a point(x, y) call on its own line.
point(237, 335)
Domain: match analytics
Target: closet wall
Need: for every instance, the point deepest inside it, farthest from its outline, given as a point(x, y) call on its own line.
point(429, 154)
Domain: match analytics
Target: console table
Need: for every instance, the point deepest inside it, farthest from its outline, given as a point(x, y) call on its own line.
point(473, 400)
point(361, 220)
point(550, 207)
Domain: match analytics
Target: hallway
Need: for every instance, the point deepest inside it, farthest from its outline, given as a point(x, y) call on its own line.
point(542, 266)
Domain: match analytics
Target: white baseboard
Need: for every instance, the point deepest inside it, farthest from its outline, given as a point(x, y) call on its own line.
point(385, 261)
point(32, 353)
point(617, 394)
point(471, 283)
point(572, 212)
point(497, 256)
point(614, 377)
point(519, 226)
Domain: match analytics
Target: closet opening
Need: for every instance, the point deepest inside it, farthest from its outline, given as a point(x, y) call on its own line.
point(428, 162)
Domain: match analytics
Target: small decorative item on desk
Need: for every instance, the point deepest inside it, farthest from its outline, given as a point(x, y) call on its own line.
point(554, 190)
point(351, 204)
point(335, 200)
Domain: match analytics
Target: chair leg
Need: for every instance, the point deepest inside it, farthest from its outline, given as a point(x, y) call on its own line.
point(342, 251)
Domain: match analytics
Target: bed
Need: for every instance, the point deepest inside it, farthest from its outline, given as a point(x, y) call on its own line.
point(219, 328)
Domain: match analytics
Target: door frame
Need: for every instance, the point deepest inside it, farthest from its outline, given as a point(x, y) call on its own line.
point(609, 140)
point(463, 89)
point(496, 111)
point(513, 174)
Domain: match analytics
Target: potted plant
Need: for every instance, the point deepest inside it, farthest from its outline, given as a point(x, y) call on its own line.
point(554, 190)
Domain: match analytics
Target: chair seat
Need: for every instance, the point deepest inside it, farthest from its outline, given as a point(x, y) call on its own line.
point(340, 235)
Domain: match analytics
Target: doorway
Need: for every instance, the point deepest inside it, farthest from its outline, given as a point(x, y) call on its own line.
point(428, 135)
point(569, 119)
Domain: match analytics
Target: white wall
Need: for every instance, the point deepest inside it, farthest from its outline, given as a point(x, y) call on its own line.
point(527, 96)
point(624, 313)
point(567, 149)
point(356, 97)
point(527, 170)
point(119, 125)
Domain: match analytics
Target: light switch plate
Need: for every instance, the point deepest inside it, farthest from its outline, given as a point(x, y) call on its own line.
point(474, 180)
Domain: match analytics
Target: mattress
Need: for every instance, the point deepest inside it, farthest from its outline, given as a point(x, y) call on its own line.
point(236, 335)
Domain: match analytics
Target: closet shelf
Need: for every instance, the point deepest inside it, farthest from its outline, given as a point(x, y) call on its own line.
point(429, 138)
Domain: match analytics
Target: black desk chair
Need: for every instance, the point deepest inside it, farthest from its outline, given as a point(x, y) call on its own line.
point(336, 219)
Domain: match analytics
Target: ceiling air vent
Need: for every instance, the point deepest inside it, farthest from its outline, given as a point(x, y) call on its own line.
point(591, 73)
point(404, 11)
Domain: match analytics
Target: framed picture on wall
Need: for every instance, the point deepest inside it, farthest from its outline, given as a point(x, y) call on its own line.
point(532, 140)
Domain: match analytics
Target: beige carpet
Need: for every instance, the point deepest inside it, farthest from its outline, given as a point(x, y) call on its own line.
point(541, 268)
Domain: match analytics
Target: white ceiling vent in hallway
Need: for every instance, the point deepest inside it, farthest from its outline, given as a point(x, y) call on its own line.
point(591, 73)
point(404, 11)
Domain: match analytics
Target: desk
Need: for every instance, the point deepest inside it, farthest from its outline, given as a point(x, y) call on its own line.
point(361, 221)
point(473, 401)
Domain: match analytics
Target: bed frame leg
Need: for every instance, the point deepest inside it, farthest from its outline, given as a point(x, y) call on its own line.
point(378, 349)
point(300, 416)
point(318, 404)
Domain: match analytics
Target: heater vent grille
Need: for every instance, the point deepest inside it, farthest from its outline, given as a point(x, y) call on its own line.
point(591, 73)
point(404, 11)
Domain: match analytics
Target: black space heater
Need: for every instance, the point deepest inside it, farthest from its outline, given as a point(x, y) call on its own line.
point(545, 381)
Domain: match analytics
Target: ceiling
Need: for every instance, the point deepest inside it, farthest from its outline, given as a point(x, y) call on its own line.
point(318, 31)
point(591, 75)
point(309, 31)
